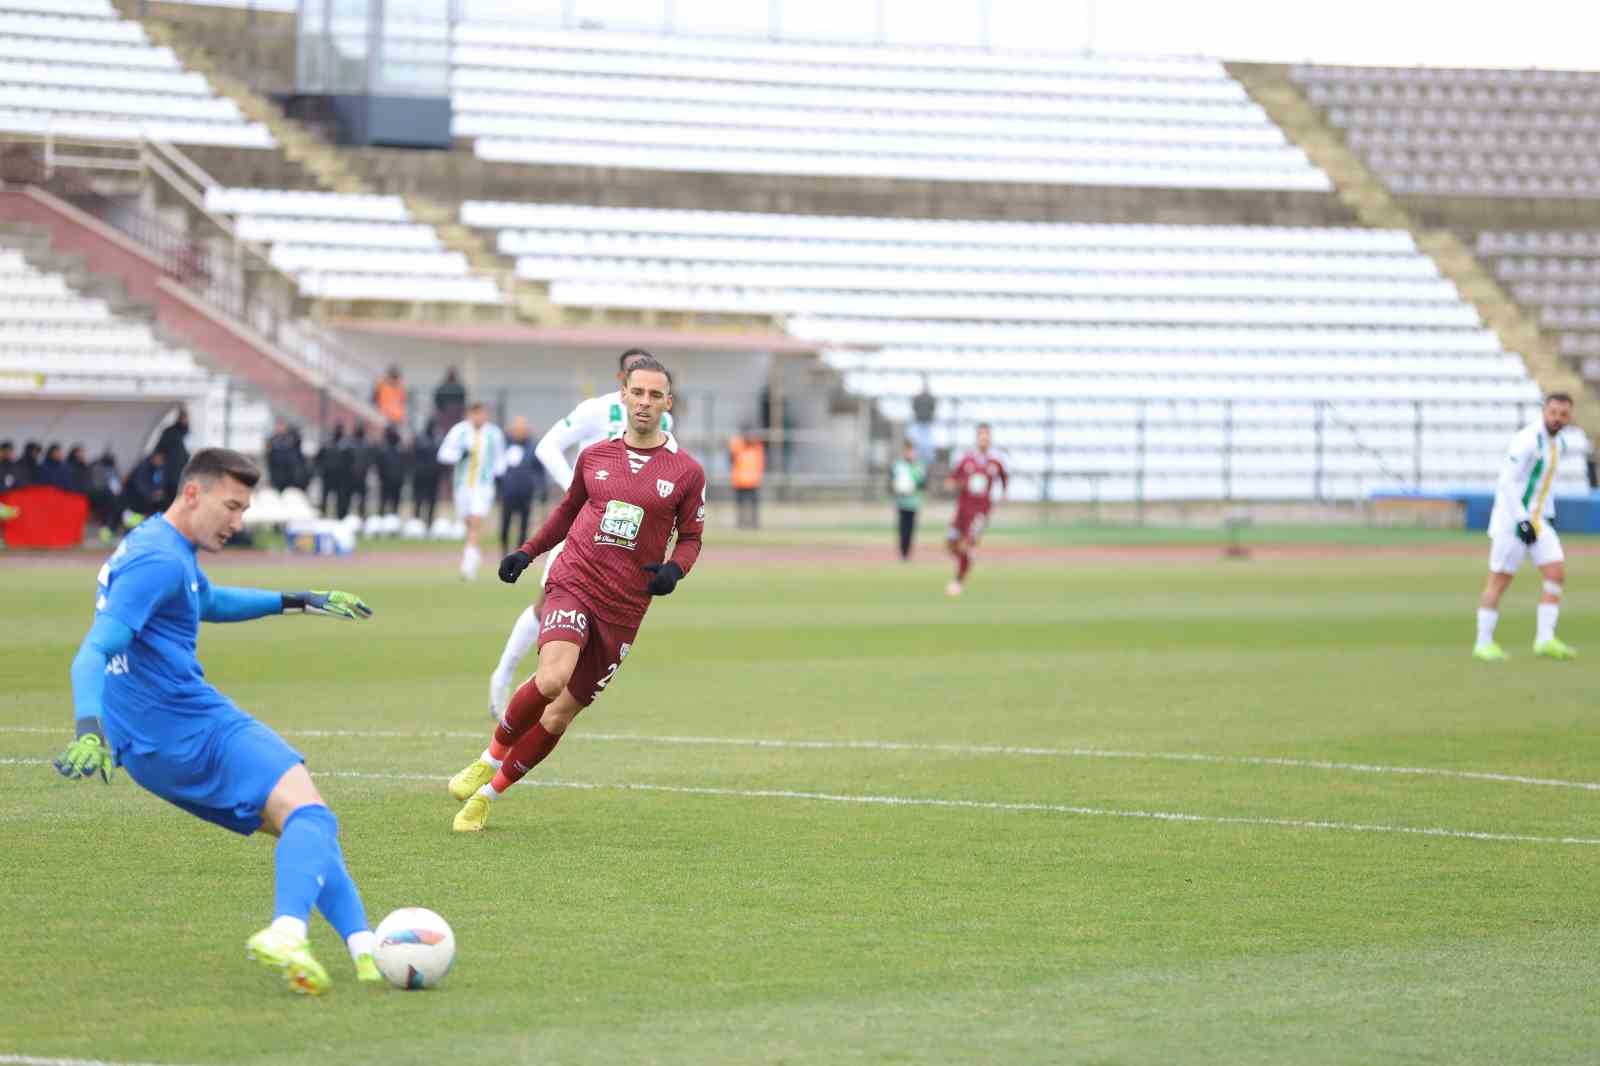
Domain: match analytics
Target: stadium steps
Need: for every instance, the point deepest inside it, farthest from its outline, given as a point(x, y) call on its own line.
point(1367, 196)
point(73, 267)
point(335, 170)
point(1355, 186)
point(1518, 331)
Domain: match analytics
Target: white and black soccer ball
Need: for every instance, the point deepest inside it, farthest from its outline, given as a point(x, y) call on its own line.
point(415, 948)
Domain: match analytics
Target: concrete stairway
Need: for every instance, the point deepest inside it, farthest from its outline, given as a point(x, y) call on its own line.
point(1370, 200)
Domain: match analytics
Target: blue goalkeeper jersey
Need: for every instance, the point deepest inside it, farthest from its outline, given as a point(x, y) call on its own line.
point(157, 697)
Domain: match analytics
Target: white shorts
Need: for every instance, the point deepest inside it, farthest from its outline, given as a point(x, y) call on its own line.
point(1507, 552)
point(550, 562)
point(474, 502)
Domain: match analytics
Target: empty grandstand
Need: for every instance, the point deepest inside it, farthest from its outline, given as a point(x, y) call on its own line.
point(73, 363)
point(977, 226)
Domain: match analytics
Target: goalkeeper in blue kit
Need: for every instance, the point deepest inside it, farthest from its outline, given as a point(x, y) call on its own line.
point(142, 702)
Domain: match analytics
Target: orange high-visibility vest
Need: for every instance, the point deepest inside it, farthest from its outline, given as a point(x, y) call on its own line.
point(749, 462)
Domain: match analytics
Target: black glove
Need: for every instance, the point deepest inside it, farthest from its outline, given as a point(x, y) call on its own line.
point(665, 579)
point(1526, 533)
point(512, 566)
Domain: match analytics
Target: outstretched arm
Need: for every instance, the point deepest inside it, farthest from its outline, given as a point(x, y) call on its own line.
point(224, 604)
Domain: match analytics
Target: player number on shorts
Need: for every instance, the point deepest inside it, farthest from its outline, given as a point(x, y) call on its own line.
point(611, 671)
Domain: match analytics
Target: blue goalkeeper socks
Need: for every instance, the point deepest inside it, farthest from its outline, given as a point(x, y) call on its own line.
point(339, 901)
point(308, 845)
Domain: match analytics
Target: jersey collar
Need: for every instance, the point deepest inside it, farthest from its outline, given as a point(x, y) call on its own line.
point(671, 443)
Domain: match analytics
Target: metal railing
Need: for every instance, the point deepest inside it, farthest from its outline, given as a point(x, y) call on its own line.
point(227, 273)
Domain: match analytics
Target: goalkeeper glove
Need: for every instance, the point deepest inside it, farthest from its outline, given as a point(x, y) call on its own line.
point(512, 566)
point(86, 756)
point(665, 577)
point(322, 601)
point(1526, 533)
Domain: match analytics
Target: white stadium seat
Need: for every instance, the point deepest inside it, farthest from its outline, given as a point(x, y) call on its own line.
point(73, 68)
point(342, 246)
point(666, 102)
point(1065, 335)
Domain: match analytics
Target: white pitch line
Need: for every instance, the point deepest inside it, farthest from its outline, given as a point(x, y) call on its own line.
point(35, 1060)
point(974, 805)
point(956, 749)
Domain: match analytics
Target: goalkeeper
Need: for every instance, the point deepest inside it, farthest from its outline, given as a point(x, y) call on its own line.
point(142, 702)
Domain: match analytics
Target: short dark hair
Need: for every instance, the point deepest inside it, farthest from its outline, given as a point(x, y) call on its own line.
point(985, 425)
point(475, 405)
point(650, 362)
point(1559, 397)
point(208, 464)
point(622, 360)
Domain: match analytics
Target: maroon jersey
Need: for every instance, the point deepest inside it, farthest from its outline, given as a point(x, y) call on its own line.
point(617, 516)
point(975, 476)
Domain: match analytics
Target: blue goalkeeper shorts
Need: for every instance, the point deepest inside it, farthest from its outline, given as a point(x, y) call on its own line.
point(228, 777)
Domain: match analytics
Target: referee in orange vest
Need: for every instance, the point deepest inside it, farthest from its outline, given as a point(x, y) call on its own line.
point(748, 454)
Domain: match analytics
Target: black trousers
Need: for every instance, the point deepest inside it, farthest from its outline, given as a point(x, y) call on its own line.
point(423, 497)
point(389, 497)
point(747, 502)
point(908, 530)
point(518, 506)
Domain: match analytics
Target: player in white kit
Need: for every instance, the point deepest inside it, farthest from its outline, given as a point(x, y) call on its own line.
point(592, 421)
point(477, 450)
point(1521, 527)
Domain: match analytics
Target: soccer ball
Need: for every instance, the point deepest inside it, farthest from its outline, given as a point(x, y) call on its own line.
point(415, 948)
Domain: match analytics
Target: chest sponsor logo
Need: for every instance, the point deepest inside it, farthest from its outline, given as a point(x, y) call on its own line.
point(620, 524)
point(575, 620)
point(117, 665)
point(664, 487)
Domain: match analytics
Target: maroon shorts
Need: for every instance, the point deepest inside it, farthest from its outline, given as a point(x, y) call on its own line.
point(969, 523)
point(601, 645)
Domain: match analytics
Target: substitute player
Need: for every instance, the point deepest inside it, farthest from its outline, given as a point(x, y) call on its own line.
point(477, 450)
point(973, 479)
point(1521, 525)
point(591, 422)
point(627, 496)
point(142, 702)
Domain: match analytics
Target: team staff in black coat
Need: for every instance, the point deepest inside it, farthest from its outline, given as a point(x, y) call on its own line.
point(425, 473)
point(523, 482)
point(392, 461)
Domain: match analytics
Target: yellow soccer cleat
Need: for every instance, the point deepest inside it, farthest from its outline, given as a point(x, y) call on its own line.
point(472, 816)
point(367, 969)
point(290, 957)
point(468, 781)
point(1489, 653)
point(1555, 649)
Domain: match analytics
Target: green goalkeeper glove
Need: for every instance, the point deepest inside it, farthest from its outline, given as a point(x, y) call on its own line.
point(323, 601)
point(86, 756)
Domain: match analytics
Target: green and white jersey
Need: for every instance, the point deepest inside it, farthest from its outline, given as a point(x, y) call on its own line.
point(591, 422)
point(478, 455)
point(907, 478)
point(1525, 491)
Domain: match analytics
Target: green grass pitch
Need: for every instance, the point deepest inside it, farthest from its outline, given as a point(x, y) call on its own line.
point(951, 853)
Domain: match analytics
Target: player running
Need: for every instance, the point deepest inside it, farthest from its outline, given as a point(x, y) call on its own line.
point(627, 496)
point(1521, 525)
point(973, 478)
point(142, 702)
point(477, 450)
point(591, 422)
